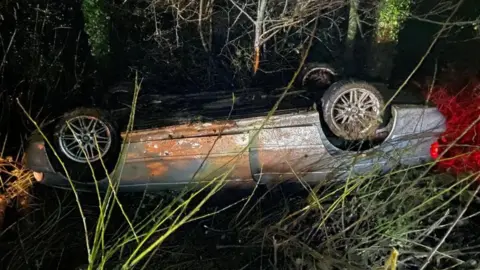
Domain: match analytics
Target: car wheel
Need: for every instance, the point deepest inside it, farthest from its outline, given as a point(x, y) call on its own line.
point(352, 110)
point(82, 137)
point(316, 76)
point(121, 95)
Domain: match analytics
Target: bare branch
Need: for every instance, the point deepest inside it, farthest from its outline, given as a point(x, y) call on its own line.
point(258, 32)
point(242, 11)
point(458, 23)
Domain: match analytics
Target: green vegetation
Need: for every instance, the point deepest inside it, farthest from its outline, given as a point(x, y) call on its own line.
point(97, 27)
point(391, 16)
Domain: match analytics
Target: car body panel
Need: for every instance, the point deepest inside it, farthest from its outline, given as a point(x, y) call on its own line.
point(289, 146)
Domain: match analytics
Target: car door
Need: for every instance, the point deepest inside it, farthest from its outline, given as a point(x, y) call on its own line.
point(204, 152)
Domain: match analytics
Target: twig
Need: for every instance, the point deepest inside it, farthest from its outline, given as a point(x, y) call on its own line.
point(432, 253)
point(258, 33)
point(5, 53)
point(460, 23)
point(275, 252)
point(433, 81)
point(242, 11)
point(3, 207)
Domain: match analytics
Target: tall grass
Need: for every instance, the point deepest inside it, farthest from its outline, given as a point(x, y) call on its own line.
point(278, 229)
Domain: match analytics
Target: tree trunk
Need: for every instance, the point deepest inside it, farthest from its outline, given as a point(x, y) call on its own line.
point(390, 17)
point(353, 24)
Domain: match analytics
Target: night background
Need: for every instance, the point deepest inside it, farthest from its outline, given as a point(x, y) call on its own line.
point(57, 55)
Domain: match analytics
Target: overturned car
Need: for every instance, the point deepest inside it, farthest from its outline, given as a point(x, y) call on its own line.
point(331, 130)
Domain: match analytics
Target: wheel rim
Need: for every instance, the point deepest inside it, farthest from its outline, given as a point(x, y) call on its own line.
point(85, 139)
point(306, 77)
point(355, 111)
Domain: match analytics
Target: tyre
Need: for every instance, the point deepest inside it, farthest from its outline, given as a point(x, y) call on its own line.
point(87, 127)
point(316, 76)
point(353, 109)
point(121, 95)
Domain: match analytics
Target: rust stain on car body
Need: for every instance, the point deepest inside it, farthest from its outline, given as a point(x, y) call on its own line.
point(201, 146)
point(224, 127)
point(157, 168)
point(202, 158)
point(181, 131)
point(206, 151)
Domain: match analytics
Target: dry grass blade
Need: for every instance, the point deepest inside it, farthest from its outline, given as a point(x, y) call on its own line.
point(15, 182)
point(391, 263)
point(3, 207)
point(20, 186)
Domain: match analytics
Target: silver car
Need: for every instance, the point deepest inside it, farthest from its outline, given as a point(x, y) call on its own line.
point(341, 131)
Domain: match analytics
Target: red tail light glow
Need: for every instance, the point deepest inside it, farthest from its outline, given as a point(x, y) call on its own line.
point(434, 150)
point(461, 109)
